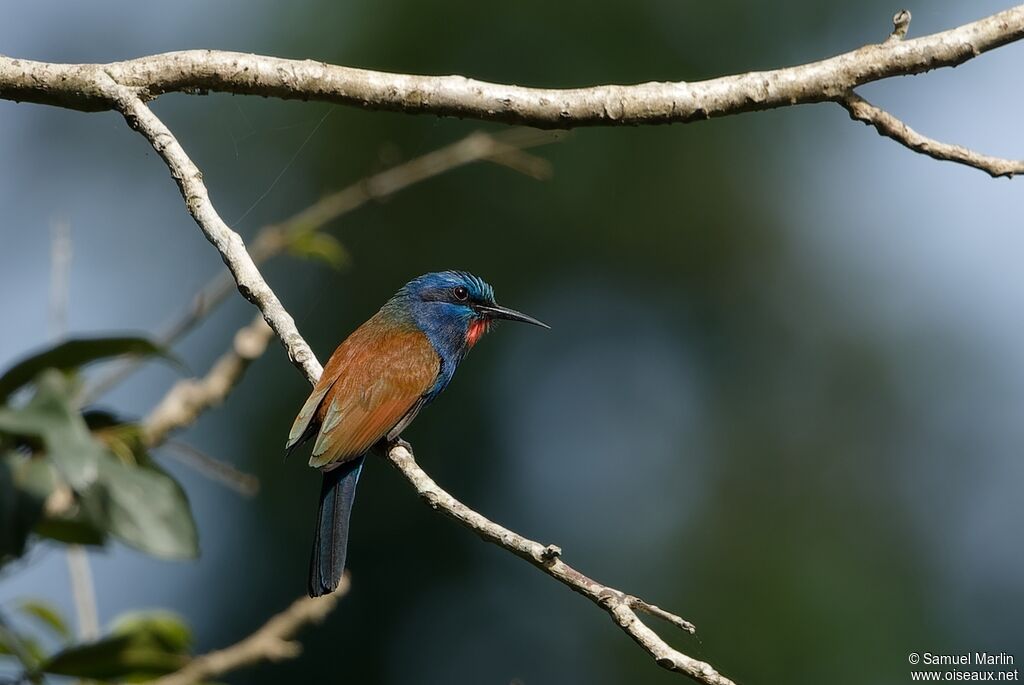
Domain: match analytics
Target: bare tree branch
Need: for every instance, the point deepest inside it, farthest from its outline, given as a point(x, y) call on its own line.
point(82, 86)
point(245, 484)
point(96, 87)
point(272, 642)
point(620, 606)
point(230, 245)
point(889, 126)
point(188, 398)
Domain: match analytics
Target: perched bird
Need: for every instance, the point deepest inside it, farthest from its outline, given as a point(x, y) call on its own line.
point(373, 386)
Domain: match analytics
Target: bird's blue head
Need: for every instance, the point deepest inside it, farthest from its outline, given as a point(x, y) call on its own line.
point(454, 309)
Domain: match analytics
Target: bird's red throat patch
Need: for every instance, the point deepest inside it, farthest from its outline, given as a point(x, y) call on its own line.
point(477, 328)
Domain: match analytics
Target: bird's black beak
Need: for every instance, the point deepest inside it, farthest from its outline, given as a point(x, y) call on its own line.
point(499, 312)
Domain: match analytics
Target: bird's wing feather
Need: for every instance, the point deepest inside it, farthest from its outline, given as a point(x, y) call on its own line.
point(301, 427)
point(307, 422)
point(381, 376)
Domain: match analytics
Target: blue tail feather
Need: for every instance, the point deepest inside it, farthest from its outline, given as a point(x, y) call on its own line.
point(327, 562)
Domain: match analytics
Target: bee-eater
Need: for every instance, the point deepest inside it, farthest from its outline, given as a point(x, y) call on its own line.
point(373, 386)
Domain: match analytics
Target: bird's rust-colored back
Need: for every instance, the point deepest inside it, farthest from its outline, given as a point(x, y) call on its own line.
point(373, 379)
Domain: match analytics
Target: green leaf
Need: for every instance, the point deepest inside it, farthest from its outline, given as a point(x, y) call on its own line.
point(49, 417)
point(46, 615)
point(163, 628)
point(73, 530)
point(131, 499)
point(141, 645)
point(71, 355)
point(141, 504)
point(144, 508)
point(156, 513)
point(98, 419)
point(24, 648)
point(125, 441)
point(118, 657)
point(319, 246)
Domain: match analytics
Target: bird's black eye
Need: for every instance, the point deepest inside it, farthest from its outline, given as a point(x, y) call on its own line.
point(461, 293)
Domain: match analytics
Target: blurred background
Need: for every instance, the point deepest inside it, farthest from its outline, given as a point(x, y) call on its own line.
point(781, 396)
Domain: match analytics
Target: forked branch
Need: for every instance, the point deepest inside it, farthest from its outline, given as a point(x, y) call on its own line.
point(87, 87)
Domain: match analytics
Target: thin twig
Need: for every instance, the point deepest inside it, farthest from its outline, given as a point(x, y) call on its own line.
point(900, 26)
point(243, 483)
point(83, 592)
point(188, 398)
point(889, 126)
point(621, 607)
point(475, 147)
point(272, 642)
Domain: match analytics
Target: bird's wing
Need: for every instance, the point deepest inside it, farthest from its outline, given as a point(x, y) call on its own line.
point(383, 377)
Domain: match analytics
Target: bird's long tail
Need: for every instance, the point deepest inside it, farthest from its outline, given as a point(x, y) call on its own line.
point(327, 562)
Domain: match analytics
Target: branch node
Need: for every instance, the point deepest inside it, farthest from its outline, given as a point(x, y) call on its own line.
point(900, 26)
point(609, 598)
point(550, 553)
point(638, 604)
